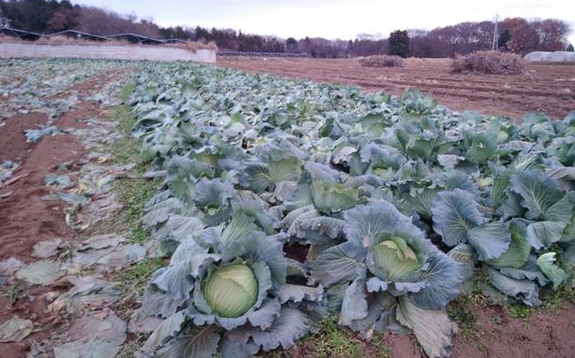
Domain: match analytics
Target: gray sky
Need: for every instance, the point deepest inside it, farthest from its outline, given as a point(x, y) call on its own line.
point(331, 19)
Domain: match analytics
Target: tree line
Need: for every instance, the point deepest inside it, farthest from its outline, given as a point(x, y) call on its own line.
point(517, 35)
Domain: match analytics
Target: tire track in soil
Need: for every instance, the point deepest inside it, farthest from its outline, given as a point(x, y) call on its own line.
point(26, 219)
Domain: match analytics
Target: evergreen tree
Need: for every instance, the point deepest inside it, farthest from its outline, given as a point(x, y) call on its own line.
point(504, 38)
point(399, 44)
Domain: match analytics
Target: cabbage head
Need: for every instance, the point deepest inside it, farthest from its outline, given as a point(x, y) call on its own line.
point(386, 273)
point(232, 298)
point(231, 291)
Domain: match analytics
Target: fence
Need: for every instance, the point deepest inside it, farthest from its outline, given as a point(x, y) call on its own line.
point(262, 54)
point(116, 52)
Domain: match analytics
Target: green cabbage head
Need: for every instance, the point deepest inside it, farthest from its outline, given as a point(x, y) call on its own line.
point(395, 257)
point(231, 291)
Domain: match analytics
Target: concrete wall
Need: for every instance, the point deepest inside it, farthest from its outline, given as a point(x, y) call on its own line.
point(136, 52)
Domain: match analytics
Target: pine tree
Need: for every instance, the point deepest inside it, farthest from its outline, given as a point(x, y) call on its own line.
point(399, 43)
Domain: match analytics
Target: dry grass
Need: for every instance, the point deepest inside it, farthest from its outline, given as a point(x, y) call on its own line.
point(489, 62)
point(381, 61)
point(194, 46)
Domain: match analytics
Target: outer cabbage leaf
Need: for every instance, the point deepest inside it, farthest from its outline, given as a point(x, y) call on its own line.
point(538, 192)
point(482, 148)
point(339, 264)
point(544, 233)
point(366, 223)
point(490, 240)
point(519, 248)
point(354, 304)
point(432, 328)
point(546, 263)
point(455, 213)
point(465, 256)
point(443, 277)
point(199, 343)
point(333, 198)
point(290, 326)
point(524, 290)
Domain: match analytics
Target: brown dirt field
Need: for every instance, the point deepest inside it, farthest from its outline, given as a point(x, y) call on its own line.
point(546, 334)
point(44, 324)
point(27, 219)
point(548, 88)
point(13, 143)
point(498, 335)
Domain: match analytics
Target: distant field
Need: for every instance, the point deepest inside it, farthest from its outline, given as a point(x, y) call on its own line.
point(547, 87)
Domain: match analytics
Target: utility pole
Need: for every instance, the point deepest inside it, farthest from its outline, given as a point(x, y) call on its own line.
point(495, 43)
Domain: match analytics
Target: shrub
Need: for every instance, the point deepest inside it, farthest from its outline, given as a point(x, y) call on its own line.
point(381, 61)
point(489, 62)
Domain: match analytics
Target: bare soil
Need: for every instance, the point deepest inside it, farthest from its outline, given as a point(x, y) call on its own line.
point(545, 334)
point(13, 145)
point(26, 219)
point(31, 305)
point(548, 88)
point(498, 335)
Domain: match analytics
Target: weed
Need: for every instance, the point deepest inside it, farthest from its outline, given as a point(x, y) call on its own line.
point(334, 342)
point(553, 301)
point(126, 92)
point(519, 310)
point(13, 292)
point(337, 342)
point(464, 312)
point(134, 279)
point(133, 191)
point(129, 350)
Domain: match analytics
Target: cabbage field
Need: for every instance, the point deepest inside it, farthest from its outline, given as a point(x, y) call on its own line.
point(285, 202)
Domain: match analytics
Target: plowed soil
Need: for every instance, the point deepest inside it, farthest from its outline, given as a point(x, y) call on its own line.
point(26, 219)
point(547, 88)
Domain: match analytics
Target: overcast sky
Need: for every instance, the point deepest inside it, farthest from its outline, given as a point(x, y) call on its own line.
point(332, 19)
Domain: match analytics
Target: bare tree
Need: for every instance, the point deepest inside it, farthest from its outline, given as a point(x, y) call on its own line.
point(103, 22)
point(552, 34)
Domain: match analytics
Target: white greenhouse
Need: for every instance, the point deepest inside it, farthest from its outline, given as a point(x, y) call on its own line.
point(557, 56)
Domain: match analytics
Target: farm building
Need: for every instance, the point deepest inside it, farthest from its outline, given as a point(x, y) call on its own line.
point(80, 35)
point(137, 39)
point(75, 34)
point(175, 41)
point(21, 34)
point(557, 56)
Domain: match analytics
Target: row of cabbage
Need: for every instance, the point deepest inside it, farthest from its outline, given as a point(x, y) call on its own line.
point(27, 85)
point(289, 201)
